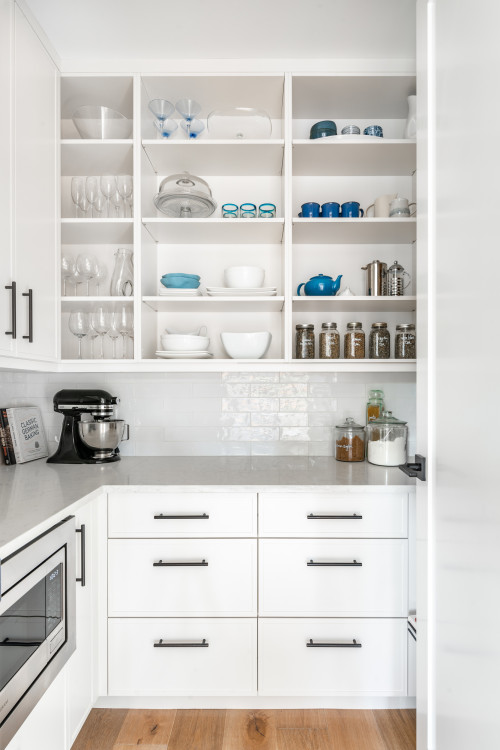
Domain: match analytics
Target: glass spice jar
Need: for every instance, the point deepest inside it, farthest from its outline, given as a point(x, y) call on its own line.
point(329, 341)
point(354, 342)
point(406, 341)
point(349, 441)
point(379, 345)
point(304, 341)
point(375, 405)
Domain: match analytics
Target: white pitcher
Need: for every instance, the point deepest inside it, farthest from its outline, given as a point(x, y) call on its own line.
point(381, 206)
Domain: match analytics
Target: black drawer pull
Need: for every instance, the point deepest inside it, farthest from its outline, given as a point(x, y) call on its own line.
point(13, 332)
point(354, 644)
point(169, 644)
point(161, 564)
point(162, 517)
point(354, 517)
point(353, 564)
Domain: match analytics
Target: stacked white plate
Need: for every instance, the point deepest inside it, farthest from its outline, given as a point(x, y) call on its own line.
point(223, 291)
point(164, 292)
point(184, 355)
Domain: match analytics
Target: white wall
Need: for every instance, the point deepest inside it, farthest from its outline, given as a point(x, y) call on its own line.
point(222, 414)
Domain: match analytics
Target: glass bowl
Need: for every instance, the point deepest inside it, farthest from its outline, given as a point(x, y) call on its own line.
point(240, 123)
point(101, 122)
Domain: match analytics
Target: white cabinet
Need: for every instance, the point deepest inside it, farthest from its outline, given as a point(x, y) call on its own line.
point(44, 728)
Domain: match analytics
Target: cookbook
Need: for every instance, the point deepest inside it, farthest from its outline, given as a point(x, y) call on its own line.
point(23, 437)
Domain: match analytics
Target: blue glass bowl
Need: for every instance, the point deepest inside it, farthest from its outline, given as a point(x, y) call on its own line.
point(180, 281)
point(322, 129)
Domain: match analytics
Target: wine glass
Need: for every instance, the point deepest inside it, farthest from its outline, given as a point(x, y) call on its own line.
point(68, 268)
point(125, 185)
point(92, 335)
point(113, 332)
point(79, 325)
point(161, 108)
point(188, 109)
point(117, 205)
point(125, 324)
point(192, 128)
point(77, 192)
point(101, 275)
point(86, 269)
point(101, 322)
point(91, 192)
point(84, 206)
point(108, 187)
point(101, 206)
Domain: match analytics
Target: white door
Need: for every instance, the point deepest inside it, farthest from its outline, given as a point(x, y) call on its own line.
point(6, 269)
point(459, 510)
point(35, 192)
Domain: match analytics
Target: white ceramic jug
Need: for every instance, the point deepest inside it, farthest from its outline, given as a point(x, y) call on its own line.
point(381, 206)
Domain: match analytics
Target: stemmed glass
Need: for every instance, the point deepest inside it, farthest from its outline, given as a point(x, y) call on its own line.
point(77, 192)
point(125, 185)
point(125, 324)
point(86, 269)
point(188, 109)
point(113, 332)
point(192, 128)
point(108, 187)
point(101, 321)
point(91, 192)
point(162, 109)
point(68, 267)
point(118, 205)
point(79, 325)
point(166, 127)
point(101, 206)
point(84, 206)
point(101, 275)
point(92, 335)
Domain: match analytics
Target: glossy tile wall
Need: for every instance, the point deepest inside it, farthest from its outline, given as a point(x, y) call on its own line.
point(223, 414)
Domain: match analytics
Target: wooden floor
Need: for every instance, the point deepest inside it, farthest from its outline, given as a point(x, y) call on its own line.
point(317, 729)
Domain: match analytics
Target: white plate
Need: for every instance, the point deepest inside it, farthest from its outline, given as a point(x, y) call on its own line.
point(180, 292)
point(245, 294)
point(248, 290)
point(184, 355)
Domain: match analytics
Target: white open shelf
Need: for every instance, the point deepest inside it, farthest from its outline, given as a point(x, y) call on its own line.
point(102, 231)
point(93, 157)
point(215, 230)
point(379, 156)
point(355, 304)
point(356, 231)
point(223, 158)
point(215, 304)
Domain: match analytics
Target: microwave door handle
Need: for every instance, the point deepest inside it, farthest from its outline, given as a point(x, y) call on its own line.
point(81, 531)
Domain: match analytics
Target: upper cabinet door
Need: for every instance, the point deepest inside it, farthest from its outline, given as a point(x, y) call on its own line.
point(35, 193)
point(6, 268)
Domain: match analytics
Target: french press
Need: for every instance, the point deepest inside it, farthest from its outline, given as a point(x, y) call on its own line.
point(394, 280)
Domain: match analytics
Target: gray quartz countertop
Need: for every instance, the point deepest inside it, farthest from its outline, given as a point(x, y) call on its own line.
point(33, 493)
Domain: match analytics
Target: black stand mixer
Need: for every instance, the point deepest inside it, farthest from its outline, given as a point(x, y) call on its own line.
point(94, 439)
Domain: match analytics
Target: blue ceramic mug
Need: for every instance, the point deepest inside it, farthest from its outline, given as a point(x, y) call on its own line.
point(310, 210)
point(374, 130)
point(351, 210)
point(330, 210)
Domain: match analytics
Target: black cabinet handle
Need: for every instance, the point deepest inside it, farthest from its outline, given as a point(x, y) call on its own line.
point(353, 564)
point(354, 644)
point(29, 295)
point(13, 333)
point(81, 531)
point(163, 517)
point(169, 644)
point(354, 517)
point(161, 564)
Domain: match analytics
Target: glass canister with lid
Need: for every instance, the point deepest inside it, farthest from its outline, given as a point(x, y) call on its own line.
point(405, 346)
point(354, 341)
point(375, 405)
point(379, 341)
point(387, 438)
point(304, 341)
point(329, 341)
point(349, 441)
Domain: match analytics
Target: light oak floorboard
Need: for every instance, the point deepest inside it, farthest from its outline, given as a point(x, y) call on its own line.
point(197, 730)
point(249, 730)
point(101, 729)
point(303, 739)
point(146, 728)
point(300, 718)
point(398, 728)
point(354, 730)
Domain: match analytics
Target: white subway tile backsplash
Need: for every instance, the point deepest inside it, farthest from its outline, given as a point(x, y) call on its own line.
point(228, 414)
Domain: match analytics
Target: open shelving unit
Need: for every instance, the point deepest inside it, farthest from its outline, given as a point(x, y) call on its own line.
point(287, 169)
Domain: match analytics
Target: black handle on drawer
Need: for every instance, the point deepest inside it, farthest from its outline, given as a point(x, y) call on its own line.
point(354, 517)
point(169, 644)
point(162, 517)
point(353, 564)
point(81, 531)
point(29, 295)
point(161, 564)
point(354, 644)
point(13, 332)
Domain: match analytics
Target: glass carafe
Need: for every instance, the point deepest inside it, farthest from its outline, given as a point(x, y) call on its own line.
point(395, 280)
point(122, 280)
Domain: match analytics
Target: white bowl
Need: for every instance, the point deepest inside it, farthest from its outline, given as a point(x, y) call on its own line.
point(175, 342)
point(244, 277)
point(246, 345)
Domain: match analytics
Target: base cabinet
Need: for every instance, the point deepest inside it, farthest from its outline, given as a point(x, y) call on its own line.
point(196, 656)
point(353, 657)
point(44, 729)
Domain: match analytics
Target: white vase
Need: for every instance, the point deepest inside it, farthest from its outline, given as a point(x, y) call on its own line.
point(411, 121)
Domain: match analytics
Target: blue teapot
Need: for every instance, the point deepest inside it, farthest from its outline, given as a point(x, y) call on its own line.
point(321, 286)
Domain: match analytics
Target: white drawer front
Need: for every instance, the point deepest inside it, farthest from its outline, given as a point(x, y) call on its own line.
point(368, 577)
point(188, 514)
point(344, 515)
point(223, 584)
point(226, 667)
point(288, 667)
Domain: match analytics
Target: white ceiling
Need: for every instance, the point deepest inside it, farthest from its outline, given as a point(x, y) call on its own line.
point(217, 29)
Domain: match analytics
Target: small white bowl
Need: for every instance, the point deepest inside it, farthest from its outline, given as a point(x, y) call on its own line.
point(244, 277)
point(175, 342)
point(246, 345)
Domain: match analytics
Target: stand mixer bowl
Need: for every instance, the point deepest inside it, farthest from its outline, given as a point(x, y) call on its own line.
point(103, 436)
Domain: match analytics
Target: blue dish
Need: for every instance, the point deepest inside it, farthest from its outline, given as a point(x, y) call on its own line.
point(375, 130)
point(323, 129)
point(180, 281)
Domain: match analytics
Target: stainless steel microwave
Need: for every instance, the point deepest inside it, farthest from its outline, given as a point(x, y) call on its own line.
point(37, 621)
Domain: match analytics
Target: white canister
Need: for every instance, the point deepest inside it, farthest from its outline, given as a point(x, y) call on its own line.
point(387, 438)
